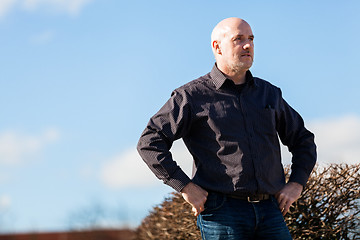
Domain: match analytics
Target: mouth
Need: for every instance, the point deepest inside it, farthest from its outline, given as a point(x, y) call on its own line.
point(245, 55)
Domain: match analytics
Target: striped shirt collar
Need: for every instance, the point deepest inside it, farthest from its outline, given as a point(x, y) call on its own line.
point(219, 78)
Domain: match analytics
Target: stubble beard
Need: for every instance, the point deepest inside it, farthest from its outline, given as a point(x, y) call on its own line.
point(240, 66)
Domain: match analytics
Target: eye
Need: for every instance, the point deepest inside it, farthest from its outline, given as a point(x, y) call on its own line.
point(238, 38)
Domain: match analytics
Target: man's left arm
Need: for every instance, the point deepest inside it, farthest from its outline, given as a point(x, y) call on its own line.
point(300, 142)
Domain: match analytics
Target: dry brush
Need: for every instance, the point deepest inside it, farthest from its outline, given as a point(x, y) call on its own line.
point(329, 208)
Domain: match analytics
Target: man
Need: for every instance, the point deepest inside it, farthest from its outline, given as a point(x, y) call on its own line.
point(230, 122)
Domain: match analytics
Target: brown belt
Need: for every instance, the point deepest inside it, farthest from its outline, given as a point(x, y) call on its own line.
point(253, 199)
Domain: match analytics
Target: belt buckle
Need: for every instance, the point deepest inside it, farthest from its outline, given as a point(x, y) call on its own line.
point(253, 201)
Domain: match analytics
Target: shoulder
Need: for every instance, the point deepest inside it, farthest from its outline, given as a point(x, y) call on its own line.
point(265, 85)
point(195, 86)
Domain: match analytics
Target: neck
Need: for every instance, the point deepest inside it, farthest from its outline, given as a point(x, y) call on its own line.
point(238, 76)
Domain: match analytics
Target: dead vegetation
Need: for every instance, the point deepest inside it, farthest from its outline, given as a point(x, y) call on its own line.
point(173, 219)
point(329, 208)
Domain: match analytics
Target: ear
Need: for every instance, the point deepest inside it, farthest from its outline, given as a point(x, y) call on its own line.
point(216, 47)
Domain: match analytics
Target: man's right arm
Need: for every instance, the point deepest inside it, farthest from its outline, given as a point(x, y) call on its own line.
point(170, 123)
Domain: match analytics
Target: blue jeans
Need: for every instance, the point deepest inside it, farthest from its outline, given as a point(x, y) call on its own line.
point(234, 219)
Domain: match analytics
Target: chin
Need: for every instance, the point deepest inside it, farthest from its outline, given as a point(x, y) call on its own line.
point(240, 67)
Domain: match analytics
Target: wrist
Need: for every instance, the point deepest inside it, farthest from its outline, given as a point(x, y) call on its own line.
point(187, 188)
point(296, 185)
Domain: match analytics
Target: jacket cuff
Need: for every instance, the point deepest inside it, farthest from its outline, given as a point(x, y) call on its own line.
point(178, 181)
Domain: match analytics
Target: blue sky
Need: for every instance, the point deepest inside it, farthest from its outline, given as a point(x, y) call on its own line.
point(79, 80)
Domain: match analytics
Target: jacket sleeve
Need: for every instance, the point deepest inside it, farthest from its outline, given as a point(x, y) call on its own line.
point(170, 123)
point(299, 140)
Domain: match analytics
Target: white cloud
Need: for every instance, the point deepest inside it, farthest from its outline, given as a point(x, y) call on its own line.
point(72, 7)
point(16, 148)
point(128, 169)
point(5, 6)
point(337, 140)
point(5, 202)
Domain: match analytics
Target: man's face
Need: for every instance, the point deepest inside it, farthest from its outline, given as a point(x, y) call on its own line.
point(237, 47)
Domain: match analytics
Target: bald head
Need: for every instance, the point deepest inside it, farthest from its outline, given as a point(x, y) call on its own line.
point(232, 45)
point(225, 26)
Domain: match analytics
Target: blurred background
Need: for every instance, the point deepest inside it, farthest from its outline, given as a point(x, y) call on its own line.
point(79, 80)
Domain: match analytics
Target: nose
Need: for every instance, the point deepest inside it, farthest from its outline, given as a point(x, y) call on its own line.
point(247, 45)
